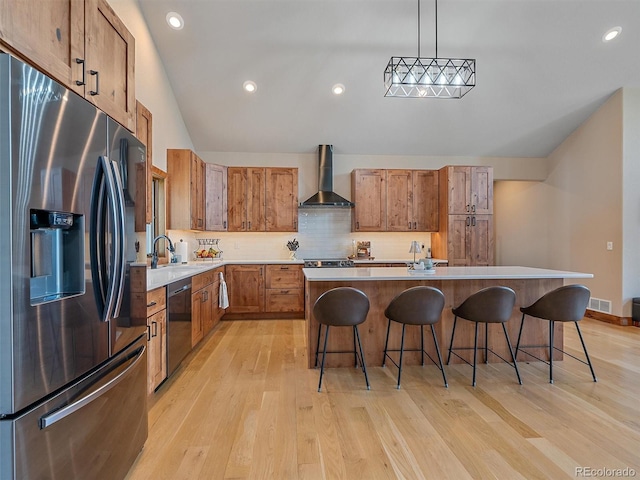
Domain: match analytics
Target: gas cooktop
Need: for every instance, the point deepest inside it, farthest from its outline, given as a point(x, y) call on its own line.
point(328, 263)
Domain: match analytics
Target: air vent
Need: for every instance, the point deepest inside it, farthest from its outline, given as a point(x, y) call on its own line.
point(600, 305)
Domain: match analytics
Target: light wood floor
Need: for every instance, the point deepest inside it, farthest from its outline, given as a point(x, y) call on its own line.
point(246, 406)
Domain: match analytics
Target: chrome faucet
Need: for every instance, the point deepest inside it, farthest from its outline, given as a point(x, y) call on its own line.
point(154, 258)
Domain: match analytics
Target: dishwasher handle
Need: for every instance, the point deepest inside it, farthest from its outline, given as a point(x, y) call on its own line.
point(180, 290)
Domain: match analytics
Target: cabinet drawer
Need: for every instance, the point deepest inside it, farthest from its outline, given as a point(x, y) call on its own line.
point(156, 300)
point(284, 276)
point(279, 300)
point(203, 279)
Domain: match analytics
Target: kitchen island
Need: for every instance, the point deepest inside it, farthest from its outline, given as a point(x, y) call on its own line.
point(382, 284)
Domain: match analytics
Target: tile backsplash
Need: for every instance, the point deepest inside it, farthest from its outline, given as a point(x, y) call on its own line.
point(322, 233)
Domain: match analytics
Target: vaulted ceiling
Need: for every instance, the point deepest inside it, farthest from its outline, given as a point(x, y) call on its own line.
point(542, 69)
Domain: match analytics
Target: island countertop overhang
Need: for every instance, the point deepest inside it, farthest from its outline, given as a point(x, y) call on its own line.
point(441, 273)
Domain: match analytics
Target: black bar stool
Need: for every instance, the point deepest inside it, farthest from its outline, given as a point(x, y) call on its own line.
point(341, 307)
point(489, 305)
point(415, 306)
point(564, 304)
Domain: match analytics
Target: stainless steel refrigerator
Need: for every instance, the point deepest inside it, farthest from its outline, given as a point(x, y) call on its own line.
point(72, 359)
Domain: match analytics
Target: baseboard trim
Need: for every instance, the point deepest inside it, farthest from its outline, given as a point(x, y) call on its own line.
point(608, 318)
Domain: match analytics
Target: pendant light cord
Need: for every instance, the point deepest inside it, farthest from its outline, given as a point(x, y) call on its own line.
point(436, 1)
point(418, 28)
point(436, 28)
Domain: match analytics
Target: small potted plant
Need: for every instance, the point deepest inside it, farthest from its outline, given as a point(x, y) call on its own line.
point(292, 246)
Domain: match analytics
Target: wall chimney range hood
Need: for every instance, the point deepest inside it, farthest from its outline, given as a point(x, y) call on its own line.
point(326, 197)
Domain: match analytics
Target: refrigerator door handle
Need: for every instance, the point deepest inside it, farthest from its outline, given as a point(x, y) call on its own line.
point(120, 267)
point(105, 292)
point(56, 416)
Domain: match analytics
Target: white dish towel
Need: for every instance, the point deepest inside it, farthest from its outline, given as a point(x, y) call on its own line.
point(223, 295)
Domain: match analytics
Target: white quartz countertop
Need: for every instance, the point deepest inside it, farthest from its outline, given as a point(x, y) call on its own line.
point(440, 273)
point(167, 274)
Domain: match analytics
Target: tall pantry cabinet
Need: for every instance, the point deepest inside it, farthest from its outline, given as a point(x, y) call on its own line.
point(466, 233)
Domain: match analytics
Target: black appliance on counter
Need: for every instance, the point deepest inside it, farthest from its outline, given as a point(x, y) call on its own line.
point(328, 263)
point(73, 364)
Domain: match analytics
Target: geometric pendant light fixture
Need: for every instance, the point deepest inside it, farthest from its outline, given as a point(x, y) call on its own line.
point(416, 77)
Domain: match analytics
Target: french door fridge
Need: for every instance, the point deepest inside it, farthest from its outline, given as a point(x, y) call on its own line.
point(72, 358)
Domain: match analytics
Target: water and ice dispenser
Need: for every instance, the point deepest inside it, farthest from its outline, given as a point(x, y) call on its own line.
point(57, 255)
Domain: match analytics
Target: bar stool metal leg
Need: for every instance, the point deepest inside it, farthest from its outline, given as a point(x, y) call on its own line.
point(355, 352)
point(422, 342)
point(513, 357)
point(324, 355)
point(552, 329)
point(318, 345)
point(584, 347)
point(475, 354)
point(486, 343)
point(386, 343)
point(520, 334)
point(435, 341)
point(401, 355)
point(453, 332)
point(364, 366)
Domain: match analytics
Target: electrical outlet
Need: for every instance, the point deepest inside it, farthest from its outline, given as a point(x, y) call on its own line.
point(236, 245)
point(609, 245)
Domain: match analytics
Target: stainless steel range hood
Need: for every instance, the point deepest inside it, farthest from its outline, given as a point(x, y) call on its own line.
point(326, 197)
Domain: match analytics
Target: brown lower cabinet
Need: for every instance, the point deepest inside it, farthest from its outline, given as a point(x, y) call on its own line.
point(205, 312)
point(245, 284)
point(156, 338)
point(274, 288)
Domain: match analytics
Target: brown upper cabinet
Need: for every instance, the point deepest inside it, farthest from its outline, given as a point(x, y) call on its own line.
point(262, 199)
point(82, 44)
point(144, 127)
point(412, 200)
point(246, 199)
point(186, 173)
point(466, 234)
point(281, 199)
point(469, 190)
point(215, 202)
point(395, 200)
point(368, 191)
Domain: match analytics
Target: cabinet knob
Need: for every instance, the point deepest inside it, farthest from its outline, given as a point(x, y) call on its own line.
point(473, 221)
point(468, 222)
point(152, 304)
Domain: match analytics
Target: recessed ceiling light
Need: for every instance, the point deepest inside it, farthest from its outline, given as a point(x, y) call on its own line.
point(611, 34)
point(338, 89)
point(250, 86)
point(175, 21)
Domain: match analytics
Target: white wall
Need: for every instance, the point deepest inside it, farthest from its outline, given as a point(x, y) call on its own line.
point(521, 225)
point(153, 89)
point(585, 196)
point(631, 199)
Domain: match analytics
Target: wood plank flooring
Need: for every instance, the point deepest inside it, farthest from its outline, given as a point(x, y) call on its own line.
point(246, 406)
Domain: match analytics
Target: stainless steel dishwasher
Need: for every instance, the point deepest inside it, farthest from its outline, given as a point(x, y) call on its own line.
point(178, 323)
